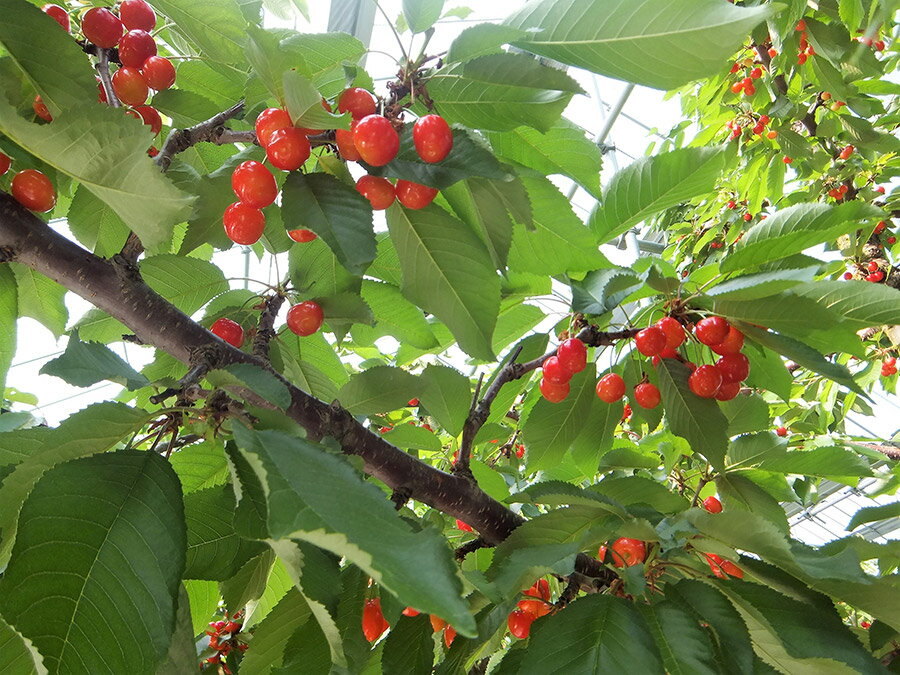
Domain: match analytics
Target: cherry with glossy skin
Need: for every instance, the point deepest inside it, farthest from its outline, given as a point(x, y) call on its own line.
point(58, 14)
point(728, 391)
point(101, 27)
point(433, 138)
point(712, 330)
point(158, 72)
point(135, 47)
point(33, 190)
point(650, 341)
point(345, 145)
point(611, 388)
point(41, 110)
point(150, 117)
point(356, 101)
point(781, 431)
point(519, 623)
point(673, 330)
point(376, 140)
point(409, 611)
point(723, 568)
point(554, 371)
point(269, 121)
point(373, 622)
point(254, 184)
point(449, 636)
point(647, 395)
point(302, 236)
point(712, 504)
point(305, 318)
point(230, 331)
point(130, 86)
point(732, 344)
point(734, 367)
point(464, 526)
point(705, 381)
point(414, 195)
point(627, 552)
point(540, 607)
point(137, 15)
point(379, 191)
point(288, 149)
point(554, 392)
point(244, 224)
point(5, 163)
point(572, 354)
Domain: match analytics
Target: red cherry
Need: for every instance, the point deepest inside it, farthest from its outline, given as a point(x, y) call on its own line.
point(519, 623)
point(715, 564)
point(781, 431)
point(787, 160)
point(437, 623)
point(254, 184)
point(137, 15)
point(150, 117)
point(890, 361)
point(731, 569)
point(135, 47)
point(705, 381)
point(628, 552)
point(356, 101)
point(539, 589)
point(674, 331)
point(756, 73)
point(572, 354)
point(650, 341)
point(734, 367)
point(464, 526)
point(41, 110)
point(433, 138)
point(33, 190)
point(409, 611)
point(554, 371)
point(611, 388)
point(376, 140)
point(5, 162)
point(892, 240)
point(58, 14)
point(244, 224)
point(731, 204)
point(269, 121)
point(158, 72)
point(101, 27)
point(130, 86)
point(413, 195)
point(305, 318)
point(872, 266)
point(288, 149)
point(373, 623)
point(302, 236)
point(520, 451)
point(230, 331)
point(711, 330)
point(379, 191)
point(449, 636)
point(748, 217)
point(846, 152)
point(880, 227)
point(732, 344)
point(764, 119)
point(712, 504)
point(646, 395)
point(345, 145)
point(848, 276)
point(152, 151)
point(772, 52)
point(554, 391)
point(728, 391)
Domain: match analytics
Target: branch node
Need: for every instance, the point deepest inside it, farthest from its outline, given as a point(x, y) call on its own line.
point(469, 547)
point(400, 496)
point(265, 331)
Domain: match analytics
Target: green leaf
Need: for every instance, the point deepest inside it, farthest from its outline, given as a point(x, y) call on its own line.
point(271, 636)
point(95, 224)
point(214, 550)
point(86, 363)
point(421, 14)
point(301, 481)
point(17, 653)
point(186, 109)
point(823, 462)
point(304, 103)
point(751, 449)
point(40, 298)
point(188, 283)
point(448, 271)
point(501, 92)
point(739, 492)
point(559, 242)
point(596, 634)
point(200, 466)
point(91, 143)
point(746, 414)
point(379, 389)
point(697, 420)
point(446, 394)
point(182, 649)
point(871, 514)
point(9, 312)
point(860, 303)
point(604, 290)
point(761, 284)
point(795, 229)
point(313, 268)
point(684, 645)
point(479, 40)
point(262, 382)
point(478, 203)
point(410, 436)
point(396, 315)
point(768, 371)
point(564, 149)
point(124, 559)
point(469, 157)
point(551, 428)
point(409, 648)
point(59, 70)
point(321, 57)
point(659, 43)
point(652, 184)
point(639, 490)
point(217, 27)
point(336, 212)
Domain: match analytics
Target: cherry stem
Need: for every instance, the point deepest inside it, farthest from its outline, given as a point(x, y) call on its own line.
point(393, 30)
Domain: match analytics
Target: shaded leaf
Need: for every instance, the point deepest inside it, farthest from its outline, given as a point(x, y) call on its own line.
point(86, 363)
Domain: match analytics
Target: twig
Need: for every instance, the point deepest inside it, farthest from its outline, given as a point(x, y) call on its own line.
point(105, 81)
point(700, 485)
point(469, 547)
point(266, 328)
point(180, 140)
point(569, 593)
point(193, 376)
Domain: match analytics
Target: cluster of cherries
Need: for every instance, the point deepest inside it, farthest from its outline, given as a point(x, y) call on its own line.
point(520, 619)
point(889, 366)
point(870, 272)
point(745, 84)
point(304, 318)
point(732, 204)
point(759, 126)
point(557, 370)
point(223, 637)
point(30, 187)
point(805, 50)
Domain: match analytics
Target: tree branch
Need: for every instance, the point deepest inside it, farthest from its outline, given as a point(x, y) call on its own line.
point(210, 131)
point(156, 322)
point(266, 328)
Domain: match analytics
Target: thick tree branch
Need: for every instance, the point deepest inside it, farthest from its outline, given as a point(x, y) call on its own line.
point(154, 321)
